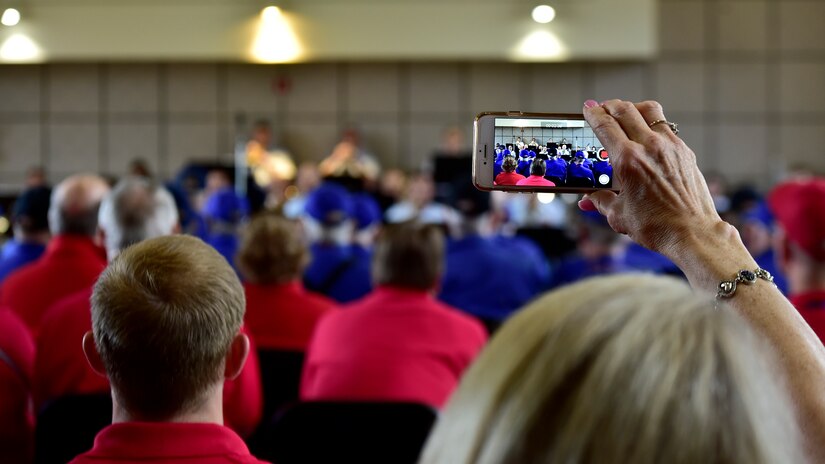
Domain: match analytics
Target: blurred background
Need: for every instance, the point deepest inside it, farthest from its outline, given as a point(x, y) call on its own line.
point(107, 82)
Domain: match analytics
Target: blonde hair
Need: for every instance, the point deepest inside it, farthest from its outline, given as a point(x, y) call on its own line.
point(272, 251)
point(164, 314)
point(630, 368)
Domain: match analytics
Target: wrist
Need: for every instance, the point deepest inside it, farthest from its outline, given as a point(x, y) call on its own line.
point(711, 254)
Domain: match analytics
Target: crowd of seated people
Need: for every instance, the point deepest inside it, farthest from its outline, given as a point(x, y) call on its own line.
point(390, 296)
point(561, 166)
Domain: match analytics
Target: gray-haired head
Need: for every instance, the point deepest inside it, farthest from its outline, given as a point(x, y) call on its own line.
point(136, 210)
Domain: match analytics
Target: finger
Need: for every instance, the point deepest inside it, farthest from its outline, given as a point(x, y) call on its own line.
point(586, 204)
point(652, 111)
point(629, 118)
point(607, 203)
point(607, 130)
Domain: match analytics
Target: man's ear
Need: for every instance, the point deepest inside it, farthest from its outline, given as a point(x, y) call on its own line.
point(92, 356)
point(236, 358)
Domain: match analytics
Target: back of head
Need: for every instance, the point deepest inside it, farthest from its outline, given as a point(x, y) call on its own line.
point(74, 205)
point(164, 314)
point(509, 164)
point(134, 211)
point(31, 211)
point(627, 368)
point(272, 250)
point(409, 255)
point(538, 168)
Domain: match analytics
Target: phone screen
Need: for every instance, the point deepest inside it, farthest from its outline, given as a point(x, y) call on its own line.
point(543, 153)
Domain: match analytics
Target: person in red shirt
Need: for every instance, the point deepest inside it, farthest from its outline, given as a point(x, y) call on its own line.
point(166, 318)
point(280, 313)
point(509, 176)
point(799, 245)
point(537, 171)
point(398, 343)
point(16, 419)
point(135, 210)
point(72, 261)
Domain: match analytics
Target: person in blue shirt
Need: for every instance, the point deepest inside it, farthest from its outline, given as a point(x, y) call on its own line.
point(30, 225)
point(490, 277)
point(497, 169)
point(556, 169)
point(335, 270)
point(578, 175)
point(524, 163)
point(367, 218)
point(756, 224)
point(224, 212)
point(598, 252)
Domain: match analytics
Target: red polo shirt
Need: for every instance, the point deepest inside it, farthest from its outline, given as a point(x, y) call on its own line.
point(16, 418)
point(536, 181)
point(61, 369)
point(508, 178)
point(69, 264)
point(166, 442)
point(393, 345)
point(283, 317)
point(811, 306)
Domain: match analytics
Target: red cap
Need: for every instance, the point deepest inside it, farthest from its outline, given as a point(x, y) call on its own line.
point(799, 207)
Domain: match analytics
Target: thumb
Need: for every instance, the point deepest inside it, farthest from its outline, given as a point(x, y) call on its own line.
point(603, 201)
point(608, 205)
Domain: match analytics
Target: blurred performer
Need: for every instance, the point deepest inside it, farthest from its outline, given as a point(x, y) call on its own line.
point(306, 180)
point(556, 169)
point(533, 144)
point(272, 168)
point(349, 163)
point(509, 176)
point(537, 171)
point(519, 144)
point(578, 175)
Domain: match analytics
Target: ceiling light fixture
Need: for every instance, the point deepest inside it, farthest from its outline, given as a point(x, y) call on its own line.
point(543, 14)
point(11, 17)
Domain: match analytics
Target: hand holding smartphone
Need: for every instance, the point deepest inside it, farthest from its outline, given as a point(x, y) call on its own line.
point(539, 152)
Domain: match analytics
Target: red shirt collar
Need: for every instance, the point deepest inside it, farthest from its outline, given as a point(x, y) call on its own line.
point(809, 301)
point(394, 292)
point(76, 245)
point(152, 440)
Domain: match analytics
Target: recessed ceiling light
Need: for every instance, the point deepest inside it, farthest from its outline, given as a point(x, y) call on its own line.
point(544, 14)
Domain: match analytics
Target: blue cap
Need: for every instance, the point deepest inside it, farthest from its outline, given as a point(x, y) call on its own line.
point(760, 214)
point(579, 154)
point(365, 210)
point(524, 152)
point(224, 205)
point(329, 204)
point(32, 207)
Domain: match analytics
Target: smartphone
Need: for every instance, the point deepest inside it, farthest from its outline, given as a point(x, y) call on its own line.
point(539, 152)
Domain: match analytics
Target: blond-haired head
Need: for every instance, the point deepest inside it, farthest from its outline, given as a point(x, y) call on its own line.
point(273, 250)
point(629, 368)
point(164, 315)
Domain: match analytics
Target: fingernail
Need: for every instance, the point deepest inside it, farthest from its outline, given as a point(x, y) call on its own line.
point(586, 204)
point(591, 104)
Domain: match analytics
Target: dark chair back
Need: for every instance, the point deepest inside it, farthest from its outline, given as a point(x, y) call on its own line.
point(67, 426)
point(281, 378)
point(363, 432)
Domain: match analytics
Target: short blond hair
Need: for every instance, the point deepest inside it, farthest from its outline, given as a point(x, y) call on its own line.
point(164, 315)
point(629, 368)
point(273, 250)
